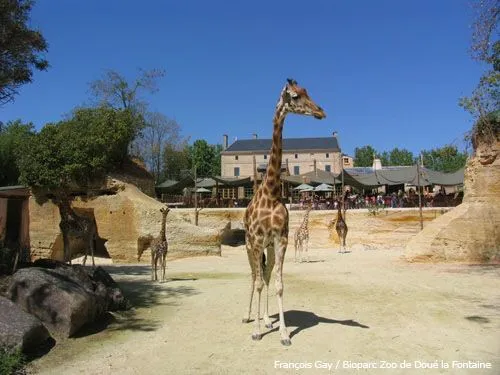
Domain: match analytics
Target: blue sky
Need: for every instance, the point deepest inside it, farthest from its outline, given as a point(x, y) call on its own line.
point(388, 73)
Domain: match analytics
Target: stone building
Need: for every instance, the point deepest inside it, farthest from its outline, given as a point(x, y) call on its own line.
point(300, 155)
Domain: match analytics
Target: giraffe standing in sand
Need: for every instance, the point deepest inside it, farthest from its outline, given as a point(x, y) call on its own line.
point(301, 236)
point(341, 228)
point(266, 218)
point(75, 226)
point(159, 248)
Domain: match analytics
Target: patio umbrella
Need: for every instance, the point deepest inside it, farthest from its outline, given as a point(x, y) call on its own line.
point(202, 190)
point(323, 187)
point(304, 187)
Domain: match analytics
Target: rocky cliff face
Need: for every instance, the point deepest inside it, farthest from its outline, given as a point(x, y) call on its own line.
point(471, 231)
point(127, 219)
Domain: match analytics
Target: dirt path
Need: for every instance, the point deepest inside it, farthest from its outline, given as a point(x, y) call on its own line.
point(360, 308)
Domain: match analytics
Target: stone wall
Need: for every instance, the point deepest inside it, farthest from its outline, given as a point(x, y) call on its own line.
point(471, 231)
point(391, 228)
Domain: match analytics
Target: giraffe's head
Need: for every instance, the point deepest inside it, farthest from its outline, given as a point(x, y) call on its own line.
point(297, 100)
point(165, 210)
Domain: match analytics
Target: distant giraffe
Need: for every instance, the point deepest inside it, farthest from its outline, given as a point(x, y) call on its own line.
point(159, 248)
point(341, 227)
point(266, 218)
point(73, 225)
point(301, 236)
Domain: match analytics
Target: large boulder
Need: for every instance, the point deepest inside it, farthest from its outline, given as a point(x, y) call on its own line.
point(471, 231)
point(64, 297)
point(20, 330)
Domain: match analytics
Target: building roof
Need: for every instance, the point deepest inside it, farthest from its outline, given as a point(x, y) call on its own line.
point(369, 177)
point(289, 144)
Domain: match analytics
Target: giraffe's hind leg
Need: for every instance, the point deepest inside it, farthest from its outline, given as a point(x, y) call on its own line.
point(280, 246)
point(257, 251)
point(267, 270)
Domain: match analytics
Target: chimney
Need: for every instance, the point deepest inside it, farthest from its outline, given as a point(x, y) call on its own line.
point(377, 164)
point(334, 134)
point(254, 135)
point(315, 170)
point(224, 141)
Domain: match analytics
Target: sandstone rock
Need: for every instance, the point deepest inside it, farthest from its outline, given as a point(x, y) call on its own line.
point(20, 330)
point(127, 220)
point(471, 231)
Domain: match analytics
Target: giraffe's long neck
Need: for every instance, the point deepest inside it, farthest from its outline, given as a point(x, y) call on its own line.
point(339, 213)
point(272, 180)
point(163, 236)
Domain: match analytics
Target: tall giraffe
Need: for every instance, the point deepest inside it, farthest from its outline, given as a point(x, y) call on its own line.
point(159, 248)
point(301, 236)
point(266, 218)
point(341, 227)
point(76, 226)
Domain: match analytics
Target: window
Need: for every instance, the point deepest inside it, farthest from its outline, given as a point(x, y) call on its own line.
point(236, 171)
point(235, 157)
point(346, 160)
point(327, 155)
point(265, 156)
point(229, 193)
point(296, 170)
point(328, 168)
point(296, 156)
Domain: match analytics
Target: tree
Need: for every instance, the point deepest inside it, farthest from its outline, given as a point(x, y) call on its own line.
point(21, 48)
point(485, 98)
point(176, 159)
point(444, 159)
point(115, 91)
point(203, 157)
point(384, 158)
point(159, 131)
point(401, 157)
point(363, 156)
point(14, 137)
point(216, 166)
point(78, 150)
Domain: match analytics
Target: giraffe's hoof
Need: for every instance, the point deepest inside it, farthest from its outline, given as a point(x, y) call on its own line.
point(286, 342)
point(256, 337)
point(245, 320)
point(269, 325)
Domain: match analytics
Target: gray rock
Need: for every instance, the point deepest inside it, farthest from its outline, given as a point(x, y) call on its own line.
point(56, 299)
point(20, 330)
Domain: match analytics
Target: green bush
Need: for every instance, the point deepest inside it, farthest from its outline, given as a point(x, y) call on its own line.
point(11, 362)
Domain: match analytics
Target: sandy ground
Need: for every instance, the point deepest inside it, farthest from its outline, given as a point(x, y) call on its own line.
point(365, 308)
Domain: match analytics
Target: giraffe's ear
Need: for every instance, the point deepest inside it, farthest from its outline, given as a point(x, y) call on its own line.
point(291, 81)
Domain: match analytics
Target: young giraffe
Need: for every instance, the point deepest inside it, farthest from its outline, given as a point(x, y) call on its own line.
point(341, 228)
point(159, 248)
point(301, 235)
point(266, 218)
point(76, 226)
